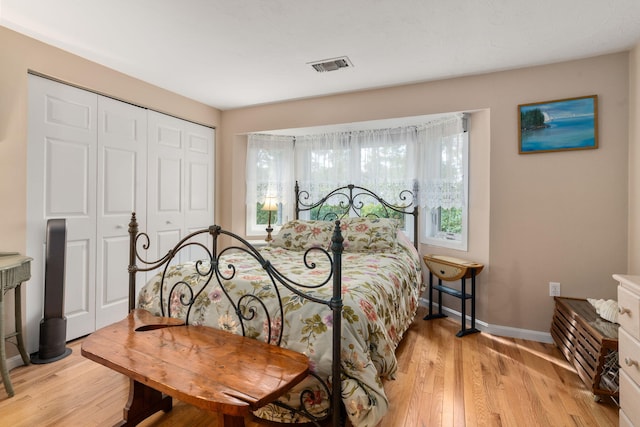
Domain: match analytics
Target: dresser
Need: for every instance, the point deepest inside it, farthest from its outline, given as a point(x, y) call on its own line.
point(629, 348)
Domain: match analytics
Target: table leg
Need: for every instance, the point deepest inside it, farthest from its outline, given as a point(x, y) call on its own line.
point(143, 402)
point(463, 317)
point(232, 421)
point(466, 331)
point(439, 314)
point(473, 299)
point(430, 294)
point(19, 331)
point(3, 354)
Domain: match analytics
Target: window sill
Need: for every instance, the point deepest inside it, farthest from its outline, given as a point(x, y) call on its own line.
point(443, 243)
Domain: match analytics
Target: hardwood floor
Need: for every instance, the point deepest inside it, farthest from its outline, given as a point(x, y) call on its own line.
point(479, 380)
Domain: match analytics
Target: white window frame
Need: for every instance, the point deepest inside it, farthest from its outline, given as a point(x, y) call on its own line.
point(462, 243)
point(255, 229)
point(285, 212)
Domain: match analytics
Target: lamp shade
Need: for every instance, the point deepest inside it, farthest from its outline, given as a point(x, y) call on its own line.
point(270, 204)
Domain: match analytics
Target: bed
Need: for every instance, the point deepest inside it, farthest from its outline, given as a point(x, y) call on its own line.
point(336, 283)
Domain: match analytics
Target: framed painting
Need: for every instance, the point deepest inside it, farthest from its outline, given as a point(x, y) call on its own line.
point(564, 124)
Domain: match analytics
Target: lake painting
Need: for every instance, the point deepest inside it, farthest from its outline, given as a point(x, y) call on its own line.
point(567, 124)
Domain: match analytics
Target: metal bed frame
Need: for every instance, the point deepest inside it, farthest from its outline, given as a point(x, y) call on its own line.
point(250, 308)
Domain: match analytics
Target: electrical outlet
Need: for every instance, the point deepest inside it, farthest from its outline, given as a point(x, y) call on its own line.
point(554, 289)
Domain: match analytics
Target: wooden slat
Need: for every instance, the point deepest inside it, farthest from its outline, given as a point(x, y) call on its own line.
point(584, 338)
point(590, 319)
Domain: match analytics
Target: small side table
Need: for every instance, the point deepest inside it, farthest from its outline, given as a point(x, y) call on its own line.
point(450, 269)
point(14, 269)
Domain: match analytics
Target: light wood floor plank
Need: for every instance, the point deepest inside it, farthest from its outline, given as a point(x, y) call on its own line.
point(475, 381)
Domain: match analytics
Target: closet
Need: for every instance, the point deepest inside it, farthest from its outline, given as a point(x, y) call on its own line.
point(93, 160)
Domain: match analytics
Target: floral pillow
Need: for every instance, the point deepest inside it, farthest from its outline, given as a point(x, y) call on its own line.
point(300, 235)
point(369, 234)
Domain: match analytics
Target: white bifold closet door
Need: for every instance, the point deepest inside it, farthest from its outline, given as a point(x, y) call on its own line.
point(62, 153)
point(87, 164)
point(121, 189)
point(180, 187)
point(93, 160)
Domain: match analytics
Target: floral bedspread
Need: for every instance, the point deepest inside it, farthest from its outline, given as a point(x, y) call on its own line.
point(380, 296)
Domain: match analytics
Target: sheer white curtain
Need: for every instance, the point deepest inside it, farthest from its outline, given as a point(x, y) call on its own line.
point(325, 162)
point(388, 161)
point(441, 174)
point(269, 169)
point(382, 160)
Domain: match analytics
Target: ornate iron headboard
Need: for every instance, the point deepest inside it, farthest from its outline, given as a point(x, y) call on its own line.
point(351, 199)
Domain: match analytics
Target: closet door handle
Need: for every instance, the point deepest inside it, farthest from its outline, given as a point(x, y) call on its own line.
point(119, 227)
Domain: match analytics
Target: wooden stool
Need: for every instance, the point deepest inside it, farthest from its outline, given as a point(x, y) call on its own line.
point(14, 269)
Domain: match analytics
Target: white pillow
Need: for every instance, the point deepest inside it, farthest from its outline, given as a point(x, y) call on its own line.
point(608, 309)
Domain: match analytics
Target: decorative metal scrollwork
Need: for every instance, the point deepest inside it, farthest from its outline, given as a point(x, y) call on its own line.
point(249, 309)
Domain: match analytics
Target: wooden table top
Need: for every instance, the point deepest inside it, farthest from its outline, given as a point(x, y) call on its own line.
point(205, 367)
point(451, 268)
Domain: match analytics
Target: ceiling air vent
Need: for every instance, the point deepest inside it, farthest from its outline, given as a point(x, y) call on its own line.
point(331, 64)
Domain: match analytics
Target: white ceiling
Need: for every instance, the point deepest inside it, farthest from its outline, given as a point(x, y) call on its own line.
point(236, 53)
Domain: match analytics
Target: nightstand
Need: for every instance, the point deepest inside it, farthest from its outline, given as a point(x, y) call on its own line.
point(452, 269)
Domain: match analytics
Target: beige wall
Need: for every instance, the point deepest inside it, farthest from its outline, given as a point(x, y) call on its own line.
point(534, 218)
point(634, 161)
point(20, 54)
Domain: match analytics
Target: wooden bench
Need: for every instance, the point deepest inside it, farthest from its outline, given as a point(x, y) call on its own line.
point(588, 342)
point(202, 366)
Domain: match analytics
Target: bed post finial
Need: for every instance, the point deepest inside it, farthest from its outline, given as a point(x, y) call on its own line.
point(296, 190)
point(336, 307)
point(415, 213)
point(133, 232)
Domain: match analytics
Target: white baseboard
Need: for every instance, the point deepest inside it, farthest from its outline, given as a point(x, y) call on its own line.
point(501, 331)
point(14, 362)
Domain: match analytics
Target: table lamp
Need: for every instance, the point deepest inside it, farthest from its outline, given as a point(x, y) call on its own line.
point(270, 205)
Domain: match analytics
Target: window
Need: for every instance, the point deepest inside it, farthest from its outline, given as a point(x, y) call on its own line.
point(269, 174)
point(387, 161)
point(446, 203)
